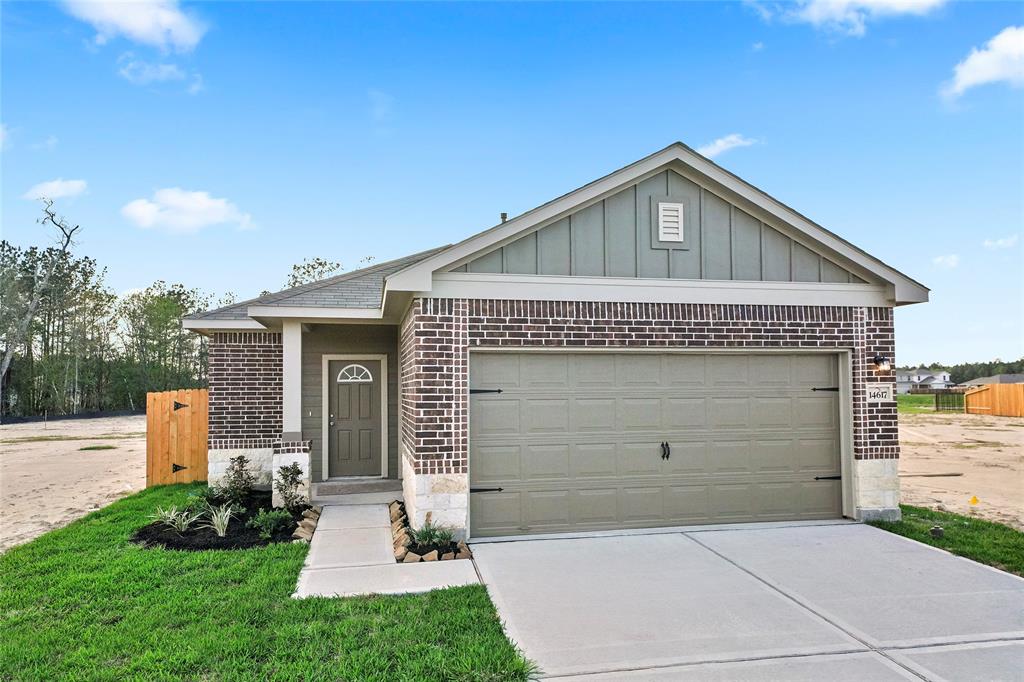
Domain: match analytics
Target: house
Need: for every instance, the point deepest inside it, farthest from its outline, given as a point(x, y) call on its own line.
point(922, 378)
point(666, 345)
point(996, 379)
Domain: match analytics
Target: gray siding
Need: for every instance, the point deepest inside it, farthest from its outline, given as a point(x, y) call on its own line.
point(345, 339)
point(616, 238)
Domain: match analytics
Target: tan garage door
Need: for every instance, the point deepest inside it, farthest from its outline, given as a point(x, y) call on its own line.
point(573, 441)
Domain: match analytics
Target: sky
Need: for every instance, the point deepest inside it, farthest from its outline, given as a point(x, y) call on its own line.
point(216, 144)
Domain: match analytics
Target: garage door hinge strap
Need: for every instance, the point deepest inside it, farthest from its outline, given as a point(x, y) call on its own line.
point(473, 391)
point(830, 388)
point(828, 478)
point(485, 490)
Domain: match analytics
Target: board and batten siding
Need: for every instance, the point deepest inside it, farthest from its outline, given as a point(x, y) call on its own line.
point(345, 339)
point(616, 238)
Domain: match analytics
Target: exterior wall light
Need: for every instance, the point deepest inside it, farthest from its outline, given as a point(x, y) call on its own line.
point(881, 364)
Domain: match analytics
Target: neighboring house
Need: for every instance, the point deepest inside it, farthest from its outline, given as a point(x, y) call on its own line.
point(996, 379)
point(921, 378)
point(666, 345)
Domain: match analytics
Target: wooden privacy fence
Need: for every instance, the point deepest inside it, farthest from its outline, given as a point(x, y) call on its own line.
point(176, 428)
point(1004, 400)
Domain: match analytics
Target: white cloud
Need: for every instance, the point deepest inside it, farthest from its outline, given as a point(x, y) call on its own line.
point(180, 211)
point(757, 47)
point(1003, 243)
point(382, 106)
point(196, 86)
point(948, 262)
point(844, 16)
point(160, 23)
point(724, 144)
point(140, 72)
point(49, 144)
point(1000, 61)
point(56, 189)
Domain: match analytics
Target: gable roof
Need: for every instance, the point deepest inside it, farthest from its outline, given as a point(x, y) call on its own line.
point(417, 277)
point(359, 289)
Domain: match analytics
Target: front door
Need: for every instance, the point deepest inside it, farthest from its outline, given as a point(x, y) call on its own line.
point(354, 418)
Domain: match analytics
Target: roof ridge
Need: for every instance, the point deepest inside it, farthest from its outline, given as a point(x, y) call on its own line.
point(342, 277)
point(284, 294)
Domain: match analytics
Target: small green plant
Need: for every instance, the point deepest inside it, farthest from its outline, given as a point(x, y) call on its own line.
point(204, 500)
point(268, 522)
point(238, 480)
point(429, 534)
point(289, 480)
point(220, 518)
point(445, 536)
point(178, 519)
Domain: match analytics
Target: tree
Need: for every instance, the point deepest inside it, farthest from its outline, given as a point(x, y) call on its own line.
point(19, 289)
point(312, 270)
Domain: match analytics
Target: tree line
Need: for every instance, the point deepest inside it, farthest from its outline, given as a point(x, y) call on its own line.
point(71, 345)
point(966, 371)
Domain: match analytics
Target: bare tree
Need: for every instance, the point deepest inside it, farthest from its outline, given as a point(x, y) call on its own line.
point(40, 283)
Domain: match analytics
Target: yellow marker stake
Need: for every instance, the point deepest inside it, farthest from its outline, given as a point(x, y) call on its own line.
point(973, 500)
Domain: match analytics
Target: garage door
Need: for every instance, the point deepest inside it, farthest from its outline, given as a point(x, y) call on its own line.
point(574, 441)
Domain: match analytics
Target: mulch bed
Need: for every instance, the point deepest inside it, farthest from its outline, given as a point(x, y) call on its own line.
point(239, 535)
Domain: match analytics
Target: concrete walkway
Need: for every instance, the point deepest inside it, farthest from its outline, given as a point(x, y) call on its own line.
point(351, 555)
point(800, 602)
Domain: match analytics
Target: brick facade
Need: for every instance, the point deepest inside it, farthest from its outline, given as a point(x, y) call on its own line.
point(437, 334)
point(245, 370)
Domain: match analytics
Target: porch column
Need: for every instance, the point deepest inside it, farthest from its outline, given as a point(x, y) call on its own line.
point(291, 449)
point(291, 340)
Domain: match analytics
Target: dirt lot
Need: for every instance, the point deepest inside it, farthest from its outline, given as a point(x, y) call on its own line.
point(47, 480)
point(986, 452)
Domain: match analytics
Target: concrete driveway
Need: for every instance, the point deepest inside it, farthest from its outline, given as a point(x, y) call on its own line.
point(838, 601)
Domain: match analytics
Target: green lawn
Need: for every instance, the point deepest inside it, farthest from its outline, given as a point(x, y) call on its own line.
point(907, 403)
point(83, 603)
point(983, 541)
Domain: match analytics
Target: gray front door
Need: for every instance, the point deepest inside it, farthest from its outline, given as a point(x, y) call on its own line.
point(591, 441)
point(354, 418)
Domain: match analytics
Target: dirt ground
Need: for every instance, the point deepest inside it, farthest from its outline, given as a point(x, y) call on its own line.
point(947, 458)
point(47, 480)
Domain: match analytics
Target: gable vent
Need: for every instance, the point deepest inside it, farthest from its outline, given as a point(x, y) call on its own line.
point(670, 222)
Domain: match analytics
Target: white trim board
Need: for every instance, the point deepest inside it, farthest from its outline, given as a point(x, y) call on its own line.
point(632, 290)
point(325, 362)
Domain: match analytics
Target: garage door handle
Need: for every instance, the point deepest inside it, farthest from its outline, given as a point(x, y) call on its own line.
point(828, 478)
point(663, 446)
point(485, 490)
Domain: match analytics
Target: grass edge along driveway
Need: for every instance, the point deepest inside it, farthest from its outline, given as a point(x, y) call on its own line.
point(84, 603)
point(983, 541)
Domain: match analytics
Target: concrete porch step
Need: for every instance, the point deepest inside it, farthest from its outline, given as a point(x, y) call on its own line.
point(357, 491)
point(357, 498)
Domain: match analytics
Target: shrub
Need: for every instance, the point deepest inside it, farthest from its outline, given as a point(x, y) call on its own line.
point(289, 480)
point(268, 522)
point(179, 520)
point(238, 480)
point(220, 517)
point(429, 534)
point(204, 500)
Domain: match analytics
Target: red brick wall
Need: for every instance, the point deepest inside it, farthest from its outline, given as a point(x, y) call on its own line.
point(245, 370)
point(437, 333)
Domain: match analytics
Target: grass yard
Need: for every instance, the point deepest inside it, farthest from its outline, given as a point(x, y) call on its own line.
point(907, 403)
point(983, 541)
point(83, 603)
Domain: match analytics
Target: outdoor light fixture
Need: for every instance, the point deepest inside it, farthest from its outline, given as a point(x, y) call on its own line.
point(881, 364)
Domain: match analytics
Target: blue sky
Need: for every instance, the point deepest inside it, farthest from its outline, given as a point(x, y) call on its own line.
point(217, 144)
